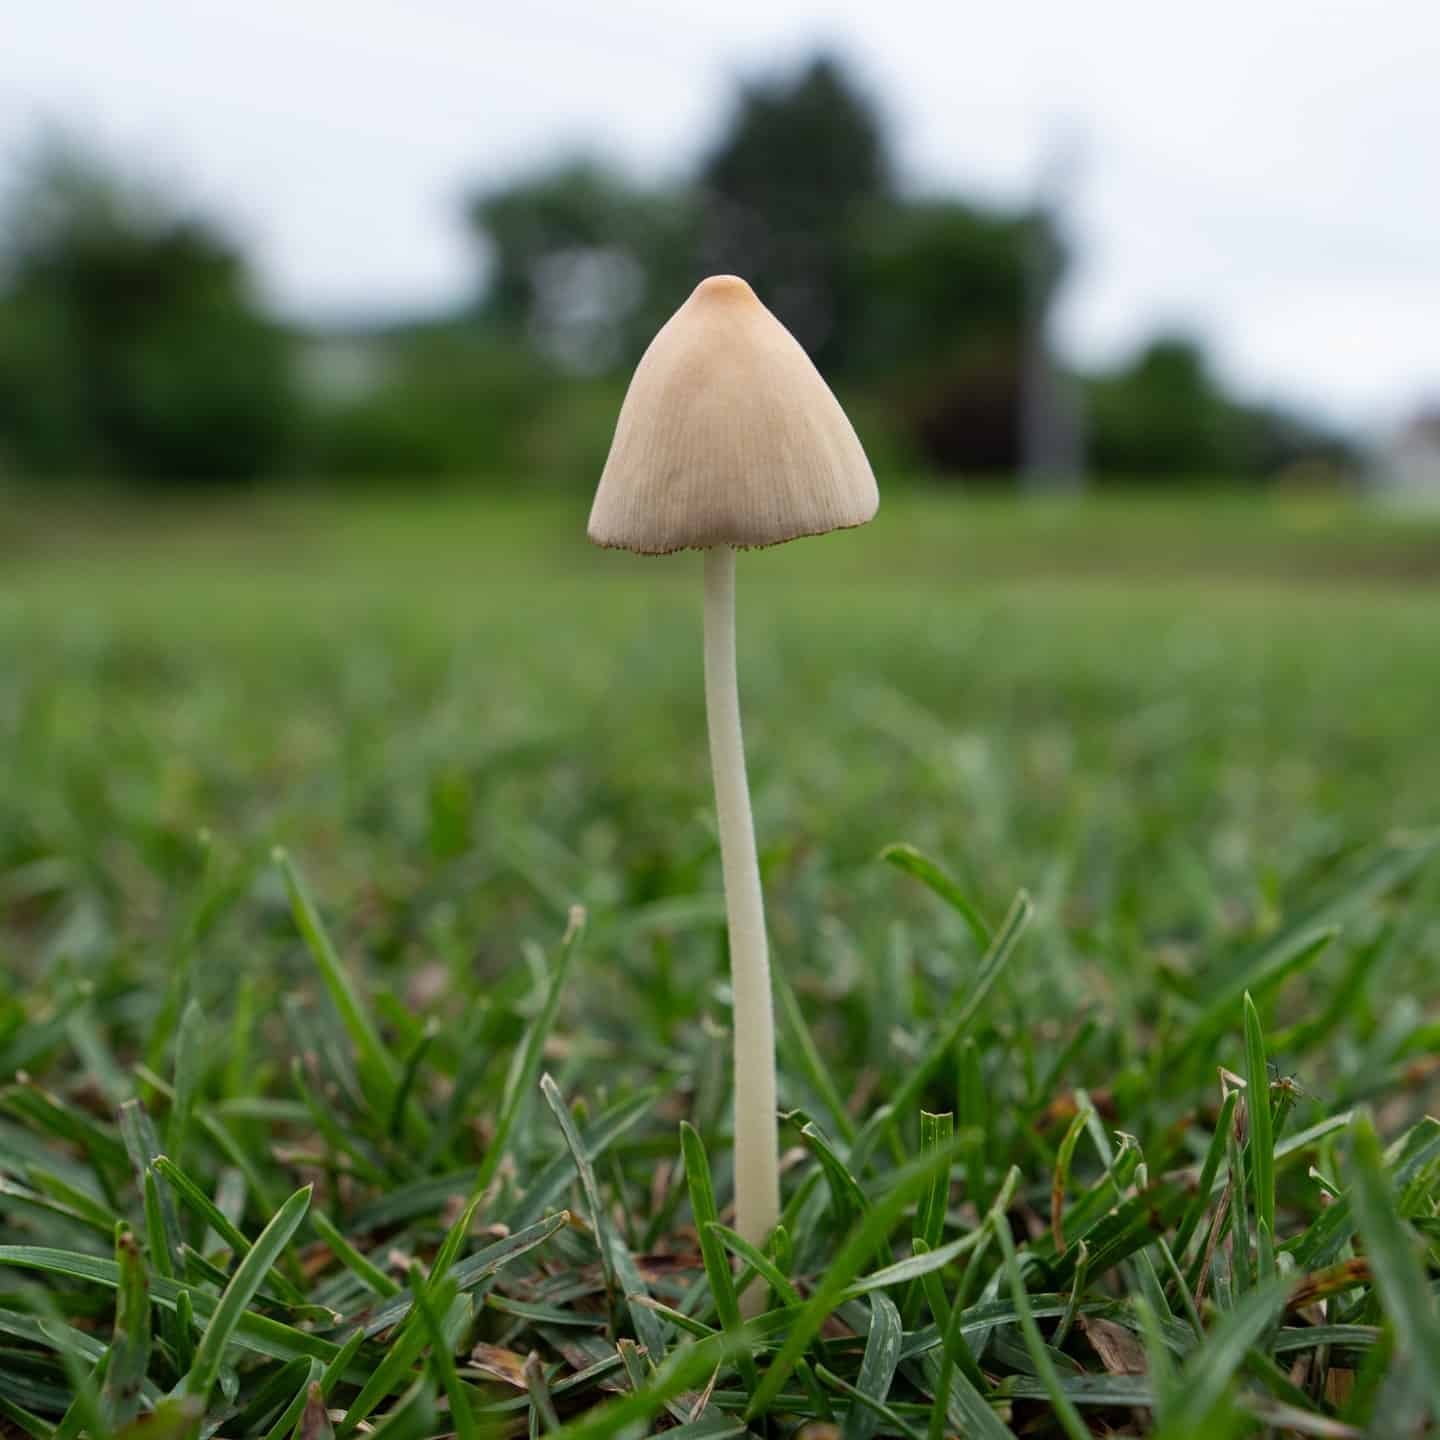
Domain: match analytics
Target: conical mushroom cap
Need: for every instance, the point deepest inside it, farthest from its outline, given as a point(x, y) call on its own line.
point(728, 436)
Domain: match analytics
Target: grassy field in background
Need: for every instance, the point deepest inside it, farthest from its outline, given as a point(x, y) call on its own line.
point(1200, 735)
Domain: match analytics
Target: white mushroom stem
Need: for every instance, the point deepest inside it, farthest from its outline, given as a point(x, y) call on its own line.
point(757, 1174)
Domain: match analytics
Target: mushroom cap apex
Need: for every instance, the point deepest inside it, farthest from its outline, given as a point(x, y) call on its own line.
point(724, 287)
point(728, 435)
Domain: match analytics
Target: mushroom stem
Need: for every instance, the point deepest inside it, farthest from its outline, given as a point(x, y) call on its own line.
point(757, 1174)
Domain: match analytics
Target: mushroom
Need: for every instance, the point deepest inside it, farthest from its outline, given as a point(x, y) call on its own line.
point(728, 438)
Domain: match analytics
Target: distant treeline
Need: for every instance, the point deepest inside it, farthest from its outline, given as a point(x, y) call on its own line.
point(132, 345)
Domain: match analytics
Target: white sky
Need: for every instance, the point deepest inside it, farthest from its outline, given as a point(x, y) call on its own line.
point(1263, 172)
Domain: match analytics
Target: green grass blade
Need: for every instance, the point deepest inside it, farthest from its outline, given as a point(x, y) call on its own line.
point(935, 1131)
point(1241, 1245)
point(1326, 1237)
point(431, 1308)
point(289, 1417)
point(954, 1028)
point(130, 1348)
point(863, 1404)
point(183, 1330)
point(248, 1277)
point(598, 1136)
point(1064, 1408)
point(1127, 1228)
point(1400, 1275)
point(189, 1065)
point(200, 1204)
point(474, 1269)
point(543, 1415)
point(273, 1395)
point(412, 1418)
point(377, 1065)
point(712, 1250)
point(400, 1105)
point(385, 1378)
point(556, 1101)
point(684, 1368)
point(1303, 939)
point(804, 1056)
point(912, 862)
point(49, 1114)
point(961, 1403)
point(92, 1211)
point(877, 1367)
point(257, 1333)
point(1257, 1105)
point(763, 1266)
point(1206, 1376)
point(372, 1277)
point(85, 1411)
point(162, 1257)
point(847, 1199)
point(916, 1266)
point(971, 1111)
point(24, 1421)
point(1270, 967)
point(648, 1323)
point(526, 1068)
point(1064, 1157)
point(142, 1145)
point(311, 1420)
point(1208, 1171)
point(862, 1242)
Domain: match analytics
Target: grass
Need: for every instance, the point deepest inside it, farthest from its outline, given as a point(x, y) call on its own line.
point(1078, 826)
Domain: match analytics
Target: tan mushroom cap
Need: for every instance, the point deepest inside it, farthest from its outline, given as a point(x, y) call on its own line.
point(728, 436)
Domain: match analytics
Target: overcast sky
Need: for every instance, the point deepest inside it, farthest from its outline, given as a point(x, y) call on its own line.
point(1265, 173)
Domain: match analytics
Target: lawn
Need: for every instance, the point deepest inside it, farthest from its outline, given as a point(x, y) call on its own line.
point(299, 799)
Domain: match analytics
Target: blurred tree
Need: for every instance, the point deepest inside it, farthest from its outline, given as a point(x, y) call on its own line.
point(583, 265)
point(1164, 416)
point(921, 303)
point(1297, 449)
point(931, 314)
point(941, 290)
point(801, 165)
point(130, 342)
point(451, 400)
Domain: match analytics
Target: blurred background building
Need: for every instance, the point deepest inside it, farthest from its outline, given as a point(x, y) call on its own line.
point(140, 342)
point(1409, 467)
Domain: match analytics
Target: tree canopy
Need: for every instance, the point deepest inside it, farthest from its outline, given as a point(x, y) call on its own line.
point(132, 344)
